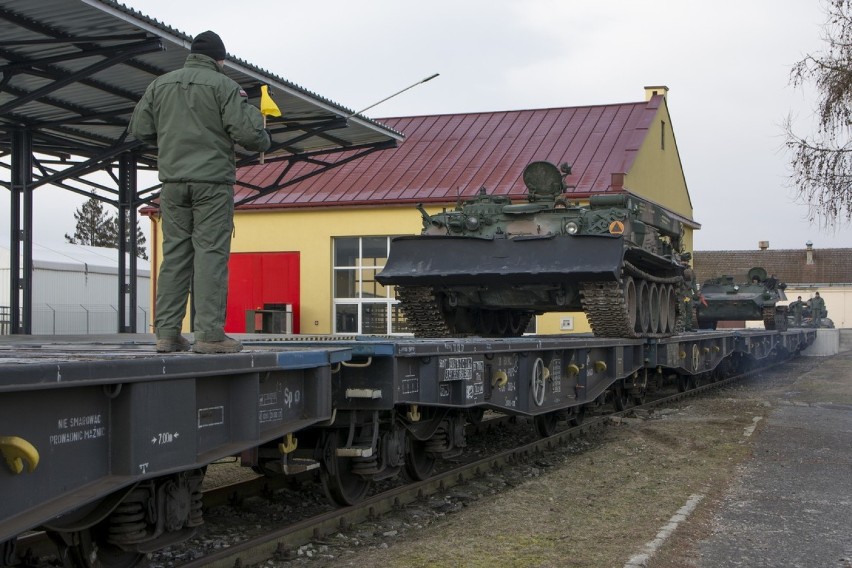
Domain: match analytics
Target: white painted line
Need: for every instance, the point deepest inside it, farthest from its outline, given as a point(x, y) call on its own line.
point(750, 430)
point(641, 560)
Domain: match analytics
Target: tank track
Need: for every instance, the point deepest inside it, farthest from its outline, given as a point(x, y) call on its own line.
point(770, 319)
point(421, 310)
point(606, 310)
point(603, 303)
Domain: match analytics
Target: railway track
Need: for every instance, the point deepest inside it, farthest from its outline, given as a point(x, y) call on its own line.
point(277, 543)
point(262, 544)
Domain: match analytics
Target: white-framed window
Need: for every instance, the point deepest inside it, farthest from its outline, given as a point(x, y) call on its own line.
point(361, 304)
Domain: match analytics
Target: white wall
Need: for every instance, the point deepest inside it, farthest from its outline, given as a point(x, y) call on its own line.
point(75, 291)
point(838, 301)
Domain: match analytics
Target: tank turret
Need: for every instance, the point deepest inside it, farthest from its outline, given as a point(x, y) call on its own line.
point(756, 298)
point(487, 267)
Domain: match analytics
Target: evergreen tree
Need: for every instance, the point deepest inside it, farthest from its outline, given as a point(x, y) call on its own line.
point(822, 162)
point(94, 226)
point(97, 228)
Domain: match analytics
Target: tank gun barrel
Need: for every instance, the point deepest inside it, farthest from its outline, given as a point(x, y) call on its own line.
point(427, 219)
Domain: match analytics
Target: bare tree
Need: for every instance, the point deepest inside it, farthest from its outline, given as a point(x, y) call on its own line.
point(822, 161)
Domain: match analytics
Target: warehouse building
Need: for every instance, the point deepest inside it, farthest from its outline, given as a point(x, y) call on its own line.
point(75, 290)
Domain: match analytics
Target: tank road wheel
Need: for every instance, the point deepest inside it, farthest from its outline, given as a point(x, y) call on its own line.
point(340, 483)
point(518, 322)
point(671, 300)
point(545, 424)
point(663, 291)
point(485, 322)
point(643, 321)
point(419, 464)
point(654, 311)
point(501, 323)
point(631, 303)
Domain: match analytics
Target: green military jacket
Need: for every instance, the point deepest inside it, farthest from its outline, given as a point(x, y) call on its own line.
point(194, 115)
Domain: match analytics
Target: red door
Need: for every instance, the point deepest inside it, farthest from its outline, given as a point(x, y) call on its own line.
point(259, 279)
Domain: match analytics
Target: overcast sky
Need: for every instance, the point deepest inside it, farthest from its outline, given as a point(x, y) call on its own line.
point(726, 64)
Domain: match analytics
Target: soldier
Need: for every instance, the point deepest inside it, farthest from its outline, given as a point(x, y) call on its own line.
point(194, 116)
point(817, 309)
point(797, 307)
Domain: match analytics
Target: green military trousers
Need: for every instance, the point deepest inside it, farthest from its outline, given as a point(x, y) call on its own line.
point(198, 220)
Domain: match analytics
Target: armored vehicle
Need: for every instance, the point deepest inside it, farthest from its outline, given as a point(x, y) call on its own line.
point(722, 299)
point(490, 265)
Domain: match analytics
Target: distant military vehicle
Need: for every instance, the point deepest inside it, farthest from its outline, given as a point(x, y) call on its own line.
point(490, 265)
point(722, 299)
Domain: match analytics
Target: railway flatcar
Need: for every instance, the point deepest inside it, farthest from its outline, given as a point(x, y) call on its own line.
point(106, 443)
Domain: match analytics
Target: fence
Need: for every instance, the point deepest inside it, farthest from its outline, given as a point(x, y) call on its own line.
point(65, 319)
point(5, 320)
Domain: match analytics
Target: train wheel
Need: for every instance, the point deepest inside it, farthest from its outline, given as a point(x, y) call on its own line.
point(90, 549)
point(419, 464)
point(577, 416)
point(545, 424)
point(474, 415)
point(340, 483)
point(620, 398)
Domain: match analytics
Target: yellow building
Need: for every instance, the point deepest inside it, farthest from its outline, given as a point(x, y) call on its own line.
point(318, 243)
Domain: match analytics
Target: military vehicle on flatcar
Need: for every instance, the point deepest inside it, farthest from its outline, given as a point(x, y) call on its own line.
point(491, 265)
point(756, 299)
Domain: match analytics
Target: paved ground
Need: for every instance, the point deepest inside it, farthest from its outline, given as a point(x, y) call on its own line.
point(792, 504)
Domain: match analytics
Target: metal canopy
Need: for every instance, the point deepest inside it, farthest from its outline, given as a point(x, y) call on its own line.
point(71, 72)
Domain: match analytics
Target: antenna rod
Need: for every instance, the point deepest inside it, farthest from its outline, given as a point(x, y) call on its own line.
point(395, 94)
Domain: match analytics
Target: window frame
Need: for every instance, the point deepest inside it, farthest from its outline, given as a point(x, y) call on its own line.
point(358, 285)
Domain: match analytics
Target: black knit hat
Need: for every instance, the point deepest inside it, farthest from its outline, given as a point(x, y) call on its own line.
point(210, 44)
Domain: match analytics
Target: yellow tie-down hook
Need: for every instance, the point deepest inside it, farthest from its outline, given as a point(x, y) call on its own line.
point(17, 450)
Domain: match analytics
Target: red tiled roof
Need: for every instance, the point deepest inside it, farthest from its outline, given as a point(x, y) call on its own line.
point(828, 266)
point(447, 155)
